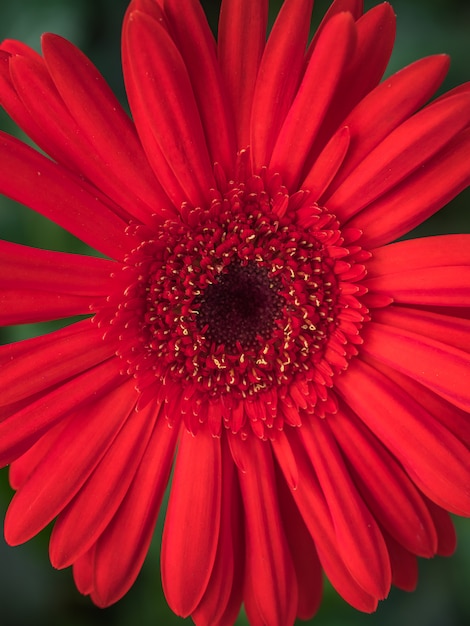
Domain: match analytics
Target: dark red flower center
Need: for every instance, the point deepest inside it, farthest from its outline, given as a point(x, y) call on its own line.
point(249, 302)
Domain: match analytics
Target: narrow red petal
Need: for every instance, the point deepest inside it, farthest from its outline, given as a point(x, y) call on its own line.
point(375, 38)
point(34, 365)
point(387, 490)
point(453, 331)
point(190, 30)
point(437, 251)
point(327, 163)
point(418, 197)
point(22, 428)
point(241, 41)
point(88, 514)
point(365, 553)
point(447, 536)
point(105, 125)
point(404, 150)
point(192, 522)
point(83, 572)
point(223, 581)
point(171, 111)
point(404, 565)
point(436, 461)
point(31, 179)
point(18, 306)
point(27, 267)
point(429, 286)
point(279, 75)
point(133, 525)
point(440, 367)
point(309, 572)
point(313, 99)
point(388, 105)
point(269, 564)
point(314, 510)
point(76, 451)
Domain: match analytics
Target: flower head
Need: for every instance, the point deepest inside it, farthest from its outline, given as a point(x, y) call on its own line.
point(250, 316)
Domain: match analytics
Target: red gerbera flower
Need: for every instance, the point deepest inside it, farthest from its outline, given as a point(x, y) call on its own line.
point(252, 318)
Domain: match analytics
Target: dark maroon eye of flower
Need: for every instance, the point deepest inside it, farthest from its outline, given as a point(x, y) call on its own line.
point(241, 307)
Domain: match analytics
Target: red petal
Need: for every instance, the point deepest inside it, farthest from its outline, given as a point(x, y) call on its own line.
point(18, 306)
point(445, 529)
point(29, 178)
point(388, 105)
point(387, 490)
point(61, 473)
point(365, 553)
point(440, 367)
point(242, 37)
point(436, 461)
point(375, 38)
point(20, 429)
point(279, 76)
point(229, 557)
point(327, 164)
point(404, 150)
point(27, 267)
point(105, 126)
point(190, 30)
point(313, 99)
point(36, 364)
point(313, 508)
point(133, 525)
point(88, 514)
point(453, 331)
point(404, 566)
point(429, 286)
point(270, 570)
point(307, 566)
point(418, 197)
point(192, 522)
point(171, 115)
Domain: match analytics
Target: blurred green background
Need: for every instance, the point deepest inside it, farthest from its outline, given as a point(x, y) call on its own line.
point(31, 592)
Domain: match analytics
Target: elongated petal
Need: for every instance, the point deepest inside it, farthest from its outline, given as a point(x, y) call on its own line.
point(426, 286)
point(22, 428)
point(192, 522)
point(327, 163)
point(313, 99)
point(436, 461)
point(133, 525)
point(365, 553)
point(400, 153)
point(36, 364)
point(171, 109)
point(388, 105)
point(81, 523)
point(279, 76)
point(229, 557)
point(314, 510)
point(304, 554)
point(190, 30)
point(453, 331)
point(375, 38)
point(27, 267)
point(20, 307)
point(241, 41)
point(28, 177)
point(440, 367)
point(76, 452)
point(387, 490)
point(270, 569)
point(105, 125)
point(418, 197)
point(427, 252)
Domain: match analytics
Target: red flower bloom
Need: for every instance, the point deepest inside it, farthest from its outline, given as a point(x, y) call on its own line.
point(251, 313)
